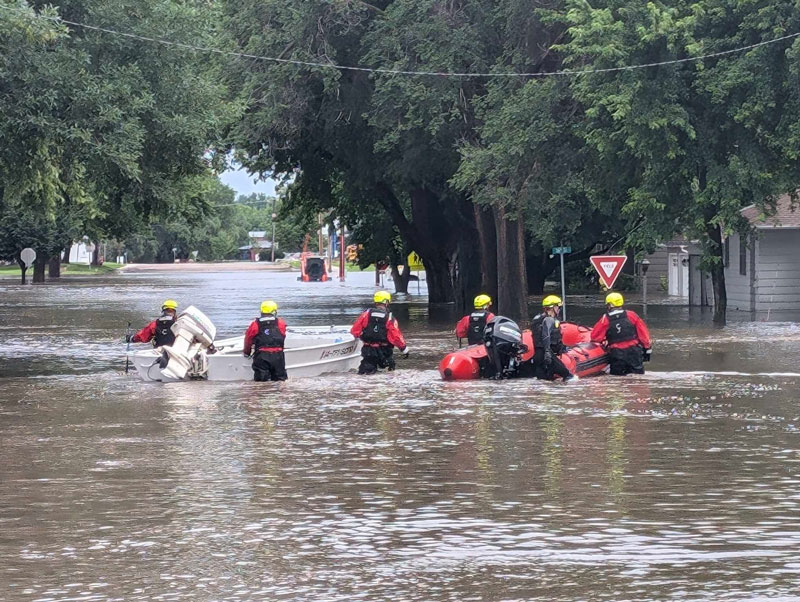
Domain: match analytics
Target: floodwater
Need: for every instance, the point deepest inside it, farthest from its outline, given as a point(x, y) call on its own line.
point(683, 484)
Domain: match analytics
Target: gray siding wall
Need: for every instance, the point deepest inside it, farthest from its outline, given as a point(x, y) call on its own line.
point(736, 285)
point(657, 269)
point(778, 270)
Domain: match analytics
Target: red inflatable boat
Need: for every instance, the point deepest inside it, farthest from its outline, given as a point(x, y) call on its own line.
point(583, 358)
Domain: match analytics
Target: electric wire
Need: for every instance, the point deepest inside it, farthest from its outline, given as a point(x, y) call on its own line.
point(384, 71)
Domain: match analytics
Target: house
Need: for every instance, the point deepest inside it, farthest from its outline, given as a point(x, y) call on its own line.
point(81, 252)
point(762, 269)
point(255, 251)
point(676, 264)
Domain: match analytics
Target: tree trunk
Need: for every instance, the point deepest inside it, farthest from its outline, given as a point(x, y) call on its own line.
point(54, 266)
point(538, 266)
point(38, 268)
point(487, 239)
point(67, 249)
point(400, 280)
point(512, 287)
point(22, 268)
point(718, 274)
point(96, 254)
point(437, 275)
point(442, 231)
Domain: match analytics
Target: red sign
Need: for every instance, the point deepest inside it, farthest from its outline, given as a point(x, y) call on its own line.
point(609, 267)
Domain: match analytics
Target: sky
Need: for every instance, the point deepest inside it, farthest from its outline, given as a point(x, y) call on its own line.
point(243, 183)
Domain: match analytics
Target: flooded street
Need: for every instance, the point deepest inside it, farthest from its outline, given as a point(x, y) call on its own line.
point(683, 484)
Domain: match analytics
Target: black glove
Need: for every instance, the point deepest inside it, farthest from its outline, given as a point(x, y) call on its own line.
point(246, 354)
point(128, 338)
point(548, 357)
point(404, 351)
point(647, 353)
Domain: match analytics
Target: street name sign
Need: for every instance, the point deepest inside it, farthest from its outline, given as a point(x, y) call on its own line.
point(609, 267)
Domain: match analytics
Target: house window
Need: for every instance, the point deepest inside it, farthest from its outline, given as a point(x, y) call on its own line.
point(726, 252)
point(742, 255)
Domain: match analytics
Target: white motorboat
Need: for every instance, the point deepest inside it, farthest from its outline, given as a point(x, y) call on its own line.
point(310, 351)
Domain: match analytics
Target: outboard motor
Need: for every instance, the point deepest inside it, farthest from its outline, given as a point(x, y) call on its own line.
point(194, 332)
point(503, 340)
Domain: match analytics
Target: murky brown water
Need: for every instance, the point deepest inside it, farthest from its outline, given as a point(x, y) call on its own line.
point(681, 485)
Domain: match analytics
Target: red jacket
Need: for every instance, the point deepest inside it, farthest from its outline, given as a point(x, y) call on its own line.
point(251, 333)
point(642, 334)
point(146, 334)
point(462, 328)
point(393, 334)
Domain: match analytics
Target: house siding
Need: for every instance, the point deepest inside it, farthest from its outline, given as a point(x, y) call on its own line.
point(657, 269)
point(737, 285)
point(778, 270)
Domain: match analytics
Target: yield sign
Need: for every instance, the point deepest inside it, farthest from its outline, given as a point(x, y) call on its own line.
point(609, 267)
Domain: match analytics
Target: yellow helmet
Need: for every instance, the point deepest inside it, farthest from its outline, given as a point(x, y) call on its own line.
point(614, 299)
point(169, 304)
point(551, 300)
point(269, 307)
point(381, 297)
point(482, 301)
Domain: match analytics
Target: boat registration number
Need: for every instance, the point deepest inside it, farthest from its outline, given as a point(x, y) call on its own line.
point(337, 352)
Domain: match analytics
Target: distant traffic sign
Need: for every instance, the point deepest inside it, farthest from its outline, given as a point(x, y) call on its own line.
point(415, 262)
point(562, 250)
point(609, 267)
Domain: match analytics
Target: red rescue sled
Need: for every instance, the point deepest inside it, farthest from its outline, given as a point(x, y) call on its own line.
point(583, 358)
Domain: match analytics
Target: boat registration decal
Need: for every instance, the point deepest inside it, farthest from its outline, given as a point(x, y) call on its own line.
point(337, 352)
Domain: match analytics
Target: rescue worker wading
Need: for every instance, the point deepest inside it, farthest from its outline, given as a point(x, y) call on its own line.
point(627, 337)
point(473, 325)
point(547, 344)
point(159, 331)
point(266, 335)
point(379, 332)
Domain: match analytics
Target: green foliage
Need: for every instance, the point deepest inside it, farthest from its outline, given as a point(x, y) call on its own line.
point(106, 127)
point(217, 231)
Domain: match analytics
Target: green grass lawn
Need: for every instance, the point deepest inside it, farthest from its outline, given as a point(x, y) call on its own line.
point(67, 269)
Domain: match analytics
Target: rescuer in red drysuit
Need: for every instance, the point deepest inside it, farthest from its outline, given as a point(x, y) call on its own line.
point(626, 335)
point(159, 331)
point(379, 333)
point(266, 336)
point(472, 325)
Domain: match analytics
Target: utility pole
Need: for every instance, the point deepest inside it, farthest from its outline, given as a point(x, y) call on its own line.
point(341, 256)
point(274, 215)
point(319, 235)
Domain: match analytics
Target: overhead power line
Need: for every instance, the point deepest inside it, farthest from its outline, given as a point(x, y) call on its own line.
point(565, 72)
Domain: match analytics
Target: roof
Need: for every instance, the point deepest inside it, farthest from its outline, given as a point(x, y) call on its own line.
point(786, 214)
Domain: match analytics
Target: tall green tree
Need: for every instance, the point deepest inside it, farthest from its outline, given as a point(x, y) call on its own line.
point(108, 127)
point(705, 137)
point(391, 140)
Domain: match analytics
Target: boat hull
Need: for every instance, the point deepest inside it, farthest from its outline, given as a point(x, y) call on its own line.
point(310, 352)
point(583, 358)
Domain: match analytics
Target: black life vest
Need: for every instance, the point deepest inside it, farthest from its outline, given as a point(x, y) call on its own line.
point(620, 328)
point(376, 329)
point(269, 335)
point(477, 324)
point(537, 327)
point(164, 334)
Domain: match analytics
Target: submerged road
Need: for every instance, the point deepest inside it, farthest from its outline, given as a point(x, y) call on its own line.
point(683, 484)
